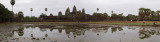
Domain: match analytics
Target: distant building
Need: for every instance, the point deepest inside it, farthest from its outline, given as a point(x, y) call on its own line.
point(65, 17)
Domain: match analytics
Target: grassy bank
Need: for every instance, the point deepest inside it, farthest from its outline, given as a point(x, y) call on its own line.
point(135, 23)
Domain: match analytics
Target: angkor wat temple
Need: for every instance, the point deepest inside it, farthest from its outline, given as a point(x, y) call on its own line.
point(69, 16)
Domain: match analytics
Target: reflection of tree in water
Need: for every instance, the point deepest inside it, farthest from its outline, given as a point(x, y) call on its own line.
point(114, 29)
point(51, 29)
point(146, 33)
point(44, 29)
point(60, 30)
point(20, 31)
point(106, 30)
point(130, 27)
point(120, 28)
point(97, 30)
point(46, 35)
point(75, 31)
point(27, 26)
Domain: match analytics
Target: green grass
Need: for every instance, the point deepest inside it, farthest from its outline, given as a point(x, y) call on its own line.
point(125, 23)
point(139, 23)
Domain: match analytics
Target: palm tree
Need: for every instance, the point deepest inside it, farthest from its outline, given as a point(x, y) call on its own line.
point(12, 3)
point(152, 13)
point(31, 11)
point(147, 12)
point(20, 16)
point(97, 9)
point(158, 12)
point(141, 12)
point(112, 11)
point(46, 10)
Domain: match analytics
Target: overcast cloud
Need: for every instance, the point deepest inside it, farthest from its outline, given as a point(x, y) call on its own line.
point(54, 6)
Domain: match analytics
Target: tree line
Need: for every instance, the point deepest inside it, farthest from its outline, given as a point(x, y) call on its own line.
point(145, 14)
point(5, 14)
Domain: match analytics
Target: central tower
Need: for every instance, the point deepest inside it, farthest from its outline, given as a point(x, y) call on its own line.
point(74, 10)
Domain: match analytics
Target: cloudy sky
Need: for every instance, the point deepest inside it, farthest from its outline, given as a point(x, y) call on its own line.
point(54, 6)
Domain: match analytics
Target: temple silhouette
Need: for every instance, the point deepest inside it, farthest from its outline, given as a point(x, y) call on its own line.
point(69, 16)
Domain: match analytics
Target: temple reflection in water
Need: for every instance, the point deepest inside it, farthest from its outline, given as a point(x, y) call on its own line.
point(81, 33)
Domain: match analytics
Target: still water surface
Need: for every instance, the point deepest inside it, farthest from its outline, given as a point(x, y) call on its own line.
point(83, 33)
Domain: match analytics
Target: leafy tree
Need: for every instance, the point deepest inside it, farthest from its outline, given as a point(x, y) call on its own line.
point(31, 11)
point(12, 3)
point(97, 9)
point(113, 16)
point(5, 14)
point(143, 12)
point(104, 17)
point(20, 16)
point(27, 18)
point(46, 10)
point(33, 18)
point(112, 11)
point(147, 12)
point(158, 14)
point(30, 19)
point(100, 16)
point(51, 14)
point(42, 15)
point(131, 17)
point(119, 17)
point(96, 16)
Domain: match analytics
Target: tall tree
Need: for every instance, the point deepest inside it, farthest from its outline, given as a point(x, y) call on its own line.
point(46, 10)
point(158, 12)
point(147, 12)
point(31, 11)
point(112, 12)
point(141, 12)
point(12, 3)
point(152, 13)
point(97, 9)
point(20, 16)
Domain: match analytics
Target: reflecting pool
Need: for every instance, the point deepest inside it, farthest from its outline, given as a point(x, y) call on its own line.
point(83, 33)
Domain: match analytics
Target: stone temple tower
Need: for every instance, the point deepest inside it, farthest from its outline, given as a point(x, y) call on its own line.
point(83, 11)
point(74, 10)
point(67, 11)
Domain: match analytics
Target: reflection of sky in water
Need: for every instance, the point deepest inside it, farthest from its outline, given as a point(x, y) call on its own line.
point(109, 34)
